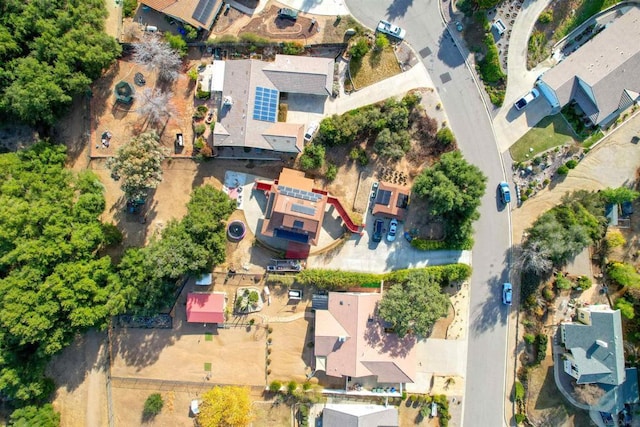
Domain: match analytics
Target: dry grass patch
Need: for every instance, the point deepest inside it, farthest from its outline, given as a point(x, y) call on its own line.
point(266, 414)
point(374, 67)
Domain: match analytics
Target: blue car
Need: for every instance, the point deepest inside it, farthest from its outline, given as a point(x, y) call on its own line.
point(505, 193)
point(506, 293)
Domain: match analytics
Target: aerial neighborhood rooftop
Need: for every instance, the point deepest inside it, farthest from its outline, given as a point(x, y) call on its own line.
point(329, 213)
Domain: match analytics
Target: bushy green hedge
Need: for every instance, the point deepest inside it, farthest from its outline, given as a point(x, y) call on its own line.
point(340, 280)
point(489, 68)
point(428, 245)
point(519, 392)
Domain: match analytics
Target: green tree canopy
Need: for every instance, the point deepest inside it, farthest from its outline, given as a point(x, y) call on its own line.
point(619, 195)
point(564, 231)
point(52, 284)
point(414, 306)
point(139, 164)
point(34, 416)
point(190, 246)
point(49, 53)
point(452, 188)
point(626, 308)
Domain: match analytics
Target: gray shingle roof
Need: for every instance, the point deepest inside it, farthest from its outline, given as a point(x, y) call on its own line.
point(236, 126)
point(601, 69)
point(616, 397)
point(301, 74)
point(597, 362)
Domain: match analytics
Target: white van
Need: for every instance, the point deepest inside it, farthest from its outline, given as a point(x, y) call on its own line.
point(499, 27)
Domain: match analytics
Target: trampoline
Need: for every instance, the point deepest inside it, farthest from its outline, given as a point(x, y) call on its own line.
point(124, 92)
point(236, 230)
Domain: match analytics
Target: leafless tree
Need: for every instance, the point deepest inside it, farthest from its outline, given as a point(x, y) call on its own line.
point(589, 394)
point(534, 257)
point(155, 105)
point(156, 54)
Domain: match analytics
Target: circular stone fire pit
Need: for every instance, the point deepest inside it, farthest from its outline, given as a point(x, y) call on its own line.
point(236, 230)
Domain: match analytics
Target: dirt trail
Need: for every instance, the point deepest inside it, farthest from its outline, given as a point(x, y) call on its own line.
point(613, 163)
point(80, 373)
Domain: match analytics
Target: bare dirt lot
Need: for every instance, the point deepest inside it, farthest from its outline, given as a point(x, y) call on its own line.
point(123, 121)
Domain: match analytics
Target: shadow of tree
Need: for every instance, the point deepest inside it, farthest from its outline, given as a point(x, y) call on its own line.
point(398, 8)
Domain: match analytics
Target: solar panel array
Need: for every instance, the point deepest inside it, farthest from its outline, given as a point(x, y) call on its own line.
point(299, 194)
point(203, 11)
point(265, 106)
point(383, 197)
point(307, 210)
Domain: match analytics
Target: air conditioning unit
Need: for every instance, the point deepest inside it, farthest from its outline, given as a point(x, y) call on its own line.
point(342, 339)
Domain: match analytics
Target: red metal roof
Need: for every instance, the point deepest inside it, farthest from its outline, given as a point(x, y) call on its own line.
point(205, 307)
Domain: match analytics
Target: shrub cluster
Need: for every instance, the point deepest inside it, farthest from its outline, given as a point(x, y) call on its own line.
point(541, 348)
point(337, 279)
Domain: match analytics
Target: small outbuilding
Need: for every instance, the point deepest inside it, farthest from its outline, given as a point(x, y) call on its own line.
point(206, 307)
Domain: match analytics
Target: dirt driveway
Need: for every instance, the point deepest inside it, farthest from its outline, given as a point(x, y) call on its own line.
point(613, 163)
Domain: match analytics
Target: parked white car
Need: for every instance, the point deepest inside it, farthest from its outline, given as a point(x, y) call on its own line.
point(393, 230)
point(311, 131)
point(386, 27)
point(526, 100)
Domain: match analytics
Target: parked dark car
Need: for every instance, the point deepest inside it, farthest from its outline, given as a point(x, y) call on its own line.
point(285, 13)
point(378, 226)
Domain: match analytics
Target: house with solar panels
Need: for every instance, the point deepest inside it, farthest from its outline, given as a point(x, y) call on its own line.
point(391, 201)
point(246, 95)
point(294, 212)
point(197, 13)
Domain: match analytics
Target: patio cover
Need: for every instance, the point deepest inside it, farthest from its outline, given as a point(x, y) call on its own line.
point(205, 307)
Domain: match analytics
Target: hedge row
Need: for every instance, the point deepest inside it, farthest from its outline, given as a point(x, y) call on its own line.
point(340, 280)
point(428, 245)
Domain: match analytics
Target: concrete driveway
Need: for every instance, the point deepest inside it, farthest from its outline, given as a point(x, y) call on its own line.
point(360, 253)
point(510, 124)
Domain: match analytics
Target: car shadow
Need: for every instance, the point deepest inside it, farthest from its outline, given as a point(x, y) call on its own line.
point(499, 205)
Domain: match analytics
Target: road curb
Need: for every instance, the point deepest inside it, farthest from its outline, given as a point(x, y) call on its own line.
point(504, 174)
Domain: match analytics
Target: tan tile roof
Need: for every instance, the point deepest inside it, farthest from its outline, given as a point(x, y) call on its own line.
point(184, 10)
point(392, 209)
point(364, 349)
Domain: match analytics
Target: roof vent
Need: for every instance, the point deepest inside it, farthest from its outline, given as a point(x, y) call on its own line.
point(602, 343)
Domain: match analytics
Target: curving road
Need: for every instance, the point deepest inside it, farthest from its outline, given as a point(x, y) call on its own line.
point(487, 347)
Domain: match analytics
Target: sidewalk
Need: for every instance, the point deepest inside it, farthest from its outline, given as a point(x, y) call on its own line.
point(416, 77)
point(317, 7)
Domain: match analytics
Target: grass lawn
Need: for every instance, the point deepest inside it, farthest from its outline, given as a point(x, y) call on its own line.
point(207, 366)
point(552, 131)
point(593, 139)
point(585, 10)
point(208, 336)
point(374, 67)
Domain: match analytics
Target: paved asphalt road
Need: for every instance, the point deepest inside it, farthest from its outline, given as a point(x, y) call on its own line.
point(485, 395)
